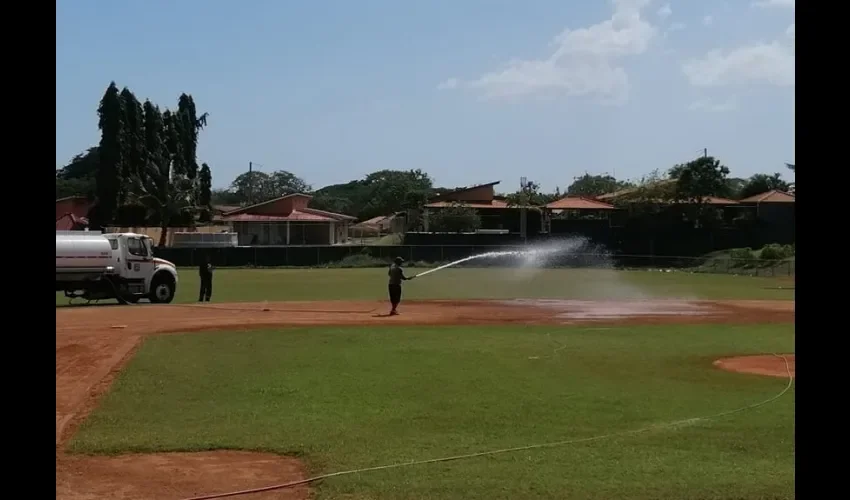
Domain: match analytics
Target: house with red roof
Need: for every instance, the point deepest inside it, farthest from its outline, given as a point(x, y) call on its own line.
point(287, 220)
point(72, 213)
point(775, 209)
point(493, 210)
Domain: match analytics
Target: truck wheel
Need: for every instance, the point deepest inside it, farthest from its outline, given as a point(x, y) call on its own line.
point(162, 290)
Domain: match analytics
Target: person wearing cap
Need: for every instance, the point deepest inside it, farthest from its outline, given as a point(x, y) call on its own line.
point(396, 274)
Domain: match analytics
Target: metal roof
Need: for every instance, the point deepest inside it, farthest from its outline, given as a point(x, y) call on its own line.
point(772, 196)
point(579, 203)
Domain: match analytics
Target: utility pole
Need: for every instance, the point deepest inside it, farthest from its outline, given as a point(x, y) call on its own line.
point(705, 152)
point(250, 182)
point(523, 199)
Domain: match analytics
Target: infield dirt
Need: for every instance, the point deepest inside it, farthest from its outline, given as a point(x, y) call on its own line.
point(94, 343)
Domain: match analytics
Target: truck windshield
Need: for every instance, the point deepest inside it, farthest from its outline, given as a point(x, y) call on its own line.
point(147, 242)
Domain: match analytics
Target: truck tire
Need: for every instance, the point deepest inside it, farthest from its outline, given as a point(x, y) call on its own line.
point(162, 289)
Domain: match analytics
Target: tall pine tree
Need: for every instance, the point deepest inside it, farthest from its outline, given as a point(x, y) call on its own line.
point(134, 153)
point(108, 178)
point(205, 193)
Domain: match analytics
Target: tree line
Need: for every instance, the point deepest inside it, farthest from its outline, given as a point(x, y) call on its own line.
point(145, 171)
point(145, 167)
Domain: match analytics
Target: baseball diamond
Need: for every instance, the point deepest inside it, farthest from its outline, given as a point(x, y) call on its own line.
point(94, 343)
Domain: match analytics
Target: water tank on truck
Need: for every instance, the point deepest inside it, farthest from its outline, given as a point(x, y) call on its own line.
point(96, 266)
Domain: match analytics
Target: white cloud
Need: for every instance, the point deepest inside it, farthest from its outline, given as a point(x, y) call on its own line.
point(707, 20)
point(709, 106)
point(665, 11)
point(585, 61)
point(761, 63)
point(766, 4)
point(677, 26)
point(449, 84)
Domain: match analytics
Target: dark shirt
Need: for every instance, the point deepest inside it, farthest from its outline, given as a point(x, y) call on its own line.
point(205, 270)
point(396, 274)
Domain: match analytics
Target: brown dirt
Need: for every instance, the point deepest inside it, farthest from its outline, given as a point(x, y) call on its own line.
point(772, 366)
point(94, 343)
point(176, 475)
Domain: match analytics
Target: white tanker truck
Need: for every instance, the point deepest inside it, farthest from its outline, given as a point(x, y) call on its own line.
point(96, 266)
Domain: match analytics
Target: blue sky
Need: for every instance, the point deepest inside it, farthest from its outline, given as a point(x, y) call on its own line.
point(470, 91)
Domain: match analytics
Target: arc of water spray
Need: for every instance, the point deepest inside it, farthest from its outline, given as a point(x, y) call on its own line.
point(505, 253)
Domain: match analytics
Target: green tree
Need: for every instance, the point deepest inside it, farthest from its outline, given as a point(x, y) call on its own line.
point(762, 183)
point(205, 193)
point(257, 187)
point(161, 189)
point(390, 191)
point(695, 182)
point(133, 144)
point(699, 179)
point(282, 183)
point(734, 187)
point(530, 196)
point(108, 178)
point(595, 185)
point(188, 126)
point(77, 178)
point(456, 218)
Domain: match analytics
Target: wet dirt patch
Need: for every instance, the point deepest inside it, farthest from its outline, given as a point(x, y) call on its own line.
point(767, 365)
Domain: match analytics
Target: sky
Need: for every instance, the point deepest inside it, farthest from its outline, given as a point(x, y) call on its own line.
point(470, 91)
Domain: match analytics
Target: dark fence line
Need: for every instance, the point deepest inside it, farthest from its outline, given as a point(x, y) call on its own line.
point(419, 255)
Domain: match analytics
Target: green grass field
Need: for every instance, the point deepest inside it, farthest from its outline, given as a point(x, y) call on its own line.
point(345, 398)
point(241, 285)
point(353, 397)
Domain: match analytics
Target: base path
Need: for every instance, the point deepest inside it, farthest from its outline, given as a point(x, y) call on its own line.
point(93, 344)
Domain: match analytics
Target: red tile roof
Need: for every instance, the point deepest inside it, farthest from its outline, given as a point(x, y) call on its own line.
point(225, 208)
point(302, 212)
point(493, 204)
point(332, 215)
point(295, 215)
point(69, 222)
point(470, 188)
point(267, 202)
point(578, 203)
point(772, 196)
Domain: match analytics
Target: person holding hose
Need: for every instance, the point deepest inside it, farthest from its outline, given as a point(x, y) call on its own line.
point(396, 274)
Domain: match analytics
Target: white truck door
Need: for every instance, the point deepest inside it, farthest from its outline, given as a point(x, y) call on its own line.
point(139, 261)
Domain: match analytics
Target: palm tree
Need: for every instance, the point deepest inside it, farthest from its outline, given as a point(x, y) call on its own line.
point(165, 195)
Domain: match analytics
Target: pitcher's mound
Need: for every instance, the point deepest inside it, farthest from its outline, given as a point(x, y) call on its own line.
point(772, 366)
point(176, 475)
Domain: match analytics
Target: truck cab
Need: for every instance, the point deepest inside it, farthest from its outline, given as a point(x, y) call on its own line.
point(143, 273)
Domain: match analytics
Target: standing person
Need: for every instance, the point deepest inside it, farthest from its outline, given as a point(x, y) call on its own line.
point(396, 274)
point(205, 271)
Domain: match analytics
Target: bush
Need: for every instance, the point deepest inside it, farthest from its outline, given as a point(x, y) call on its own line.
point(775, 251)
point(359, 260)
point(742, 257)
